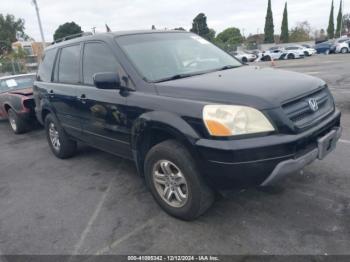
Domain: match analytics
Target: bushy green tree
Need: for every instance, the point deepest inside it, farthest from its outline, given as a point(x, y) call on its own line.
point(67, 29)
point(10, 29)
point(284, 28)
point(229, 39)
point(301, 32)
point(199, 25)
point(330, 29)
point(338, 32)
point(269, 26)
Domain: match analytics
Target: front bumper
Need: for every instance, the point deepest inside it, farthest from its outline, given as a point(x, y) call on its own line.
point(326, 145)
point(261, 160)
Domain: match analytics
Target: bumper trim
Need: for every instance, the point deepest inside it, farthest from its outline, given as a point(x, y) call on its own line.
point(292, 165)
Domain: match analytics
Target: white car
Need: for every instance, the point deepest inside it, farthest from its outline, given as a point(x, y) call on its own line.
point(343, 46)
point(301, 50)
point(309, 50)
point(244, 56)
point(280, 54)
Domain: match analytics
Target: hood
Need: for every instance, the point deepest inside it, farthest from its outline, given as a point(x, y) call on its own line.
point(261, 88)
point(23, 92)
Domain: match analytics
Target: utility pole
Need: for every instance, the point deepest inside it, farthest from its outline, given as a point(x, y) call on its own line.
point(341, 21)
point(94, 30)
point(39, 21)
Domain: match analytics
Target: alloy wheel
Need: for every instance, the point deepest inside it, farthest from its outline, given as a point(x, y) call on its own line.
point(54, 137)
point(13, 123)
point(170, 183)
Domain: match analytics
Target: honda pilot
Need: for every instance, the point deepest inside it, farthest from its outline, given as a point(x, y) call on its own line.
point(192, 117)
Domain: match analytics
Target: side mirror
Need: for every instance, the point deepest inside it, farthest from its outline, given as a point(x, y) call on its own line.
point(106, 80)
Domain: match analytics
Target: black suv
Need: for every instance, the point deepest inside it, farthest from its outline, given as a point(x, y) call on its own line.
point(192, 117)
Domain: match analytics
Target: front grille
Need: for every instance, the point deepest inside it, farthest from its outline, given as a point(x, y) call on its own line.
point(300, 113)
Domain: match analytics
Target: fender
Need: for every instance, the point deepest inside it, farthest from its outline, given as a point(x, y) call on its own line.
point(45, 106)
point(163, 121)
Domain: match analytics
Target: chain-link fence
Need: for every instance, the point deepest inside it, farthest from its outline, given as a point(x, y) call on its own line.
point(15, 67)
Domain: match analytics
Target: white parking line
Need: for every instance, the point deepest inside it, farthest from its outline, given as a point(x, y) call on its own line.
point(94, 215)
point(344, 141)
point(125, 237)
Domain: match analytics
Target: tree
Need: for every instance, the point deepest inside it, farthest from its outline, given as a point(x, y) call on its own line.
point(301, 32)
point(199, 25)
point(229, 39)
point(330, 30)
point(346, 21)
point(269, 27)
point(10, 29)
point(338, 32)
point(284, 28)
point(67, 29)
point(179, 29)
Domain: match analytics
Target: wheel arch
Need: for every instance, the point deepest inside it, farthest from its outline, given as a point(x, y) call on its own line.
point(155, 127)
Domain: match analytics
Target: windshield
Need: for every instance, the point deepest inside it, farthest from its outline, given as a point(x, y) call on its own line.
point(162, 56)
point(16, 83)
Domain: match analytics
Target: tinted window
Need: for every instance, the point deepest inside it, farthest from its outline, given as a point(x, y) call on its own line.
point(46, 66)
point(69, 65)
point(97, 58)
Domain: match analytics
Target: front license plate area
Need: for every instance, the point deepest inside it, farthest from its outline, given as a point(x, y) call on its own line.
point(327, 144)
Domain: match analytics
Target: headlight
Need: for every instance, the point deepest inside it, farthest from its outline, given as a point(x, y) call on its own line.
point(227, 120)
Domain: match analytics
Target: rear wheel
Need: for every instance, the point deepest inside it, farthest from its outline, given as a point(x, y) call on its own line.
point(61, 145)
point(306, 53)
point(344, 50)
point(244, 60)
point(175, 182)
point(17, 124)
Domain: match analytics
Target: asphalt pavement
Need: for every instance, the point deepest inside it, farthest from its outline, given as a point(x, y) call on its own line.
point(95, 203)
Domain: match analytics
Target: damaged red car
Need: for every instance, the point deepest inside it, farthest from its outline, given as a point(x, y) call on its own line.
point(16, 101)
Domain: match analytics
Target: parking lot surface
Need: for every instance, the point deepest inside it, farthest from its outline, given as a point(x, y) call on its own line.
point(95, 203)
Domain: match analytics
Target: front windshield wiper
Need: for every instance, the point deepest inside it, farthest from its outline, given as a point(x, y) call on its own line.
point(226, 67)
point(177, 76)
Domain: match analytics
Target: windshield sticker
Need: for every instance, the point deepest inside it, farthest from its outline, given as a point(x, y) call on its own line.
point(200, 40)
point(11, 83)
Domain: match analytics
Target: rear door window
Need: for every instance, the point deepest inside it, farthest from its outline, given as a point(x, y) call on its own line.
point(97, 58)
point(45, 69)
point(68, 68)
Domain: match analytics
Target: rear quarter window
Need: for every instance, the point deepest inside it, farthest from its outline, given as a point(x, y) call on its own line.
point(45, 69)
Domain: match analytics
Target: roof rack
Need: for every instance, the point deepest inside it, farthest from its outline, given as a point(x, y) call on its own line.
point(71, 37)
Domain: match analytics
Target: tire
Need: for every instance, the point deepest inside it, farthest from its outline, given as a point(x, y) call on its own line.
point(17, 124)
point(173, 157)
point(267, 58)
point(306, 53)
point(344, 50)
point(244, 60)
point(291, 56)
point(61, 145)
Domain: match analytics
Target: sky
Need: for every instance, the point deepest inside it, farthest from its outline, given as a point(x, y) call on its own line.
point(249, 15)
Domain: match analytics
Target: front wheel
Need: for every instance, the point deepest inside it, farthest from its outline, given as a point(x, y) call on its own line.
point(174, 181)
point(291, 56)
point(17, 124)
point(61, 145)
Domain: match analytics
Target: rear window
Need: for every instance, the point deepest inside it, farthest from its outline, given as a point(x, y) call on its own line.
point(45, 69)
point(16, 83)
point(68, 69)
